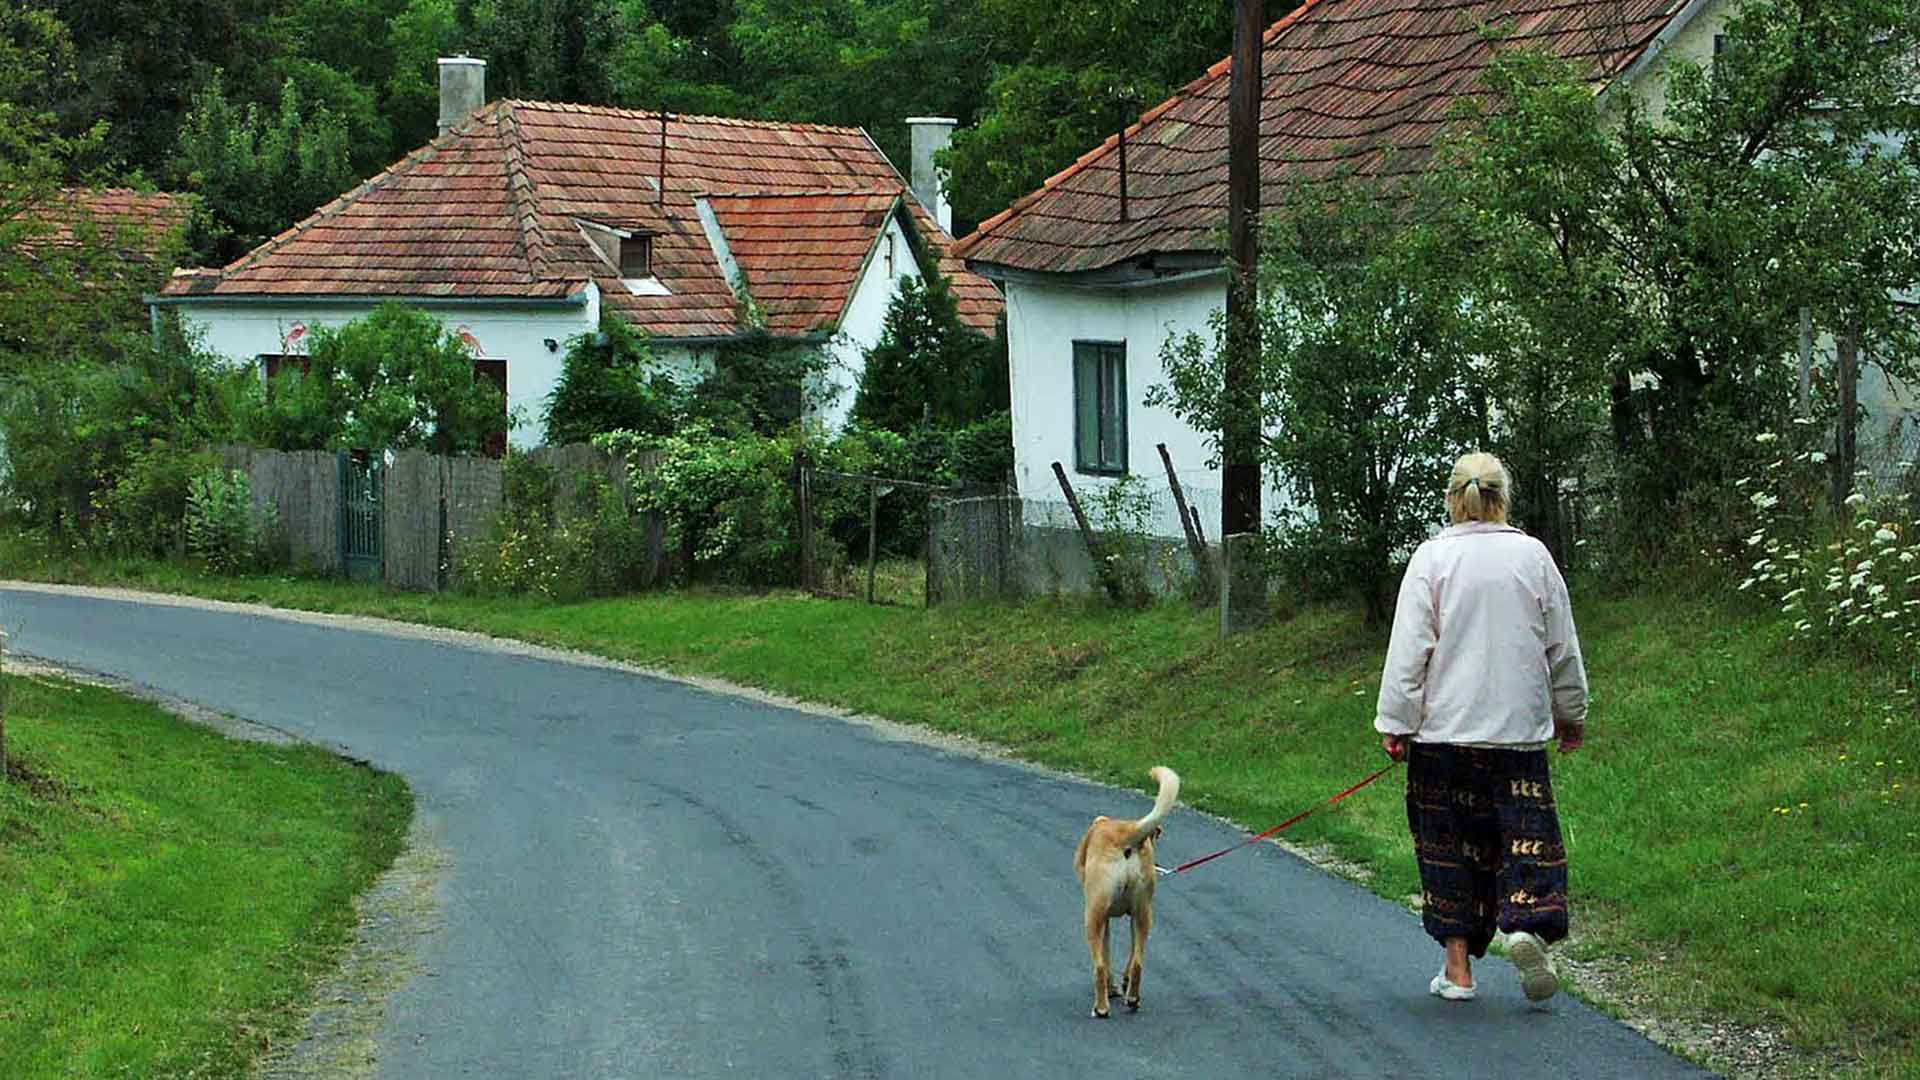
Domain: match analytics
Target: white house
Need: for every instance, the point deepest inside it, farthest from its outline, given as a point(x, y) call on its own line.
point(1120, 252)
point(524, 222)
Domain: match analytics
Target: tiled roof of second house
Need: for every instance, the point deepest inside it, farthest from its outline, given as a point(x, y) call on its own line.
point(1359, 85)
point(494, 209)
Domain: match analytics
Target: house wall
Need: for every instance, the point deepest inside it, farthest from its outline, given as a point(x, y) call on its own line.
point(861, 326)
point(516, 334)
point(1043, 322)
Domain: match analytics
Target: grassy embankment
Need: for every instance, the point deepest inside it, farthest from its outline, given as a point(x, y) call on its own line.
point(1741, 825)
point(167, 895)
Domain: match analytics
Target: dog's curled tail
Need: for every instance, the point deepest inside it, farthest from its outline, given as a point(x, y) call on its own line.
point(1163, 802)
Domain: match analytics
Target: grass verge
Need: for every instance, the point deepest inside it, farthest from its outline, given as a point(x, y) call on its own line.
point(167, 895)
point(1740, 828)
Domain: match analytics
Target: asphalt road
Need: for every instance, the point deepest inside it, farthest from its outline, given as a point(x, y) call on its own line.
point(653, 880)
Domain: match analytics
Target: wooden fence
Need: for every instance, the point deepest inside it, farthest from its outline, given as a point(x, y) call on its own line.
point(430, 507)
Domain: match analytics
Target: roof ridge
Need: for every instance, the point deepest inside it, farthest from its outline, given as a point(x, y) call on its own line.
point(1213, 73)
point(655, 114)
point(354, 194)
point(806, 192)
point(533, 238)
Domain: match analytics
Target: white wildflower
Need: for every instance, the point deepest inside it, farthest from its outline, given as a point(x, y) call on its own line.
point(1745, 585)
point(1818, 457)
point(1885, 536)
point(1764, 501)
point(1765, 437)
point(1856, 499)
point(1794, 595)
point(1756, 538)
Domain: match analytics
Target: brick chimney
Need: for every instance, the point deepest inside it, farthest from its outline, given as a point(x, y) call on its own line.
point(931, 134)
point(463, 88)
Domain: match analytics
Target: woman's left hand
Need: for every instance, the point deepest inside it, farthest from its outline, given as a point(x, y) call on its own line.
point(1394, 745)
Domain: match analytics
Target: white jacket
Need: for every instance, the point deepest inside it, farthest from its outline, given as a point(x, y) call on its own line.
point(1483, 648)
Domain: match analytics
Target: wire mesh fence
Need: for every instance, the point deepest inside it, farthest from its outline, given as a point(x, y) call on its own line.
point(1005, 546)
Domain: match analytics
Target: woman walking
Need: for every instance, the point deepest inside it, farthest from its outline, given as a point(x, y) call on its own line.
point(1483, 671)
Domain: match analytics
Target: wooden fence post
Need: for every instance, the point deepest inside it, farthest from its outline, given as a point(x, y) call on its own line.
point(1202, 566)
point(873, 536)
point(1103, 571)
point(803, 509)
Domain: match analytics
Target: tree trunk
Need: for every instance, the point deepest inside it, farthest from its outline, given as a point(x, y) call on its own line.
point(1846, 455)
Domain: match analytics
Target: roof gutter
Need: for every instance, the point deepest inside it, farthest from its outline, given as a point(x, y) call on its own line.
point(1656, 48)
point(574, 299)
point(1098, 281)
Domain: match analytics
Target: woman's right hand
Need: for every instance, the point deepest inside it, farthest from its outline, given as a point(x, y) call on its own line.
point(1571, 736)
point(1394, 745)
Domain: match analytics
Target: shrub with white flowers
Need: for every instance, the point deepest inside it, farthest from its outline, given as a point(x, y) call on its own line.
point(1848, 578)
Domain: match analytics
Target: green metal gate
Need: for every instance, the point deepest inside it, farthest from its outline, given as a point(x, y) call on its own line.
point(360, 515)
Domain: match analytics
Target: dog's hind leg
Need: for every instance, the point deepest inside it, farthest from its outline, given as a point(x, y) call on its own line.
point(1136, 957)
point(1097, 945)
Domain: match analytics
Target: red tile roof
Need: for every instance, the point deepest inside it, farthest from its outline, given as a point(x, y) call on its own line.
point(1364, 86)
point(143, 223)
point(492, 209)
point(800, 255)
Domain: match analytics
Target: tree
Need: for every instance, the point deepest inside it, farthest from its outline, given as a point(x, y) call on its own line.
point(1367, 346)
point(1673, 249)
point(608, 382)
point(261, 171)
point(392, 380)
point(928, 365)
point(57, 300)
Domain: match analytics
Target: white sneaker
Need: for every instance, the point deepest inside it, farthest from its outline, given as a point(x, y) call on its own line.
point(1441, 987)
point(1529, 954)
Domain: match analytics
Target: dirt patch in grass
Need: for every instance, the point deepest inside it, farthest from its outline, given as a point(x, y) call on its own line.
point(37, 783)
point(393, 920)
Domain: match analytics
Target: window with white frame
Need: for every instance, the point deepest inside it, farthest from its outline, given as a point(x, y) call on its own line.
point(1100, 407)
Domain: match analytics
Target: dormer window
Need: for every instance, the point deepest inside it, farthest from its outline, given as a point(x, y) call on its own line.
point(628, 252)
point(636, 257)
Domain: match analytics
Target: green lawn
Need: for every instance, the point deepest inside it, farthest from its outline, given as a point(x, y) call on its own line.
point(167, 896)
point(1706, 725)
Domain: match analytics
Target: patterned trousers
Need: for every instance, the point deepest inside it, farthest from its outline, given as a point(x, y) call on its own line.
point(1488, 842)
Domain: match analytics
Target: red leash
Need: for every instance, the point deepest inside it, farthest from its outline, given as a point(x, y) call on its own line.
point(1289, 823)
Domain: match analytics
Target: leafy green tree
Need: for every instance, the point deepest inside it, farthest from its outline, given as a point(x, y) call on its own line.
point(1364, 381)
point(260, 171)
point(392, 380)
point(928, 366)
point(550, 50)
point(1666, 255)
point(1066, 75)
point(57, 300)
point(608, 382)
point(142, 63)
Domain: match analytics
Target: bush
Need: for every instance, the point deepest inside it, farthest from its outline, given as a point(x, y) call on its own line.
point(608, 382)
point(221, 528)
point(589, 543)
point(928, 366)
point(728, 505)
point(1849, 576)
point(145, 511)
point(392, 380)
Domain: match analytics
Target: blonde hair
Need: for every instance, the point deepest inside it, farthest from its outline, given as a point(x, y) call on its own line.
point(1477, 490)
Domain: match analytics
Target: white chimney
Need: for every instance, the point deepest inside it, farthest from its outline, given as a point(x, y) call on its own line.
point(463, 88)
point(931, 134)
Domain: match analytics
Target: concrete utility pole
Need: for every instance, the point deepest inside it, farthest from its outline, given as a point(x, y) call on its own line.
point(1240, 439)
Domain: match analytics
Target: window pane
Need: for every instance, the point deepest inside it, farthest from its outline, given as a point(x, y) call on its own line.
point(1113, 407)
point(1086, 415)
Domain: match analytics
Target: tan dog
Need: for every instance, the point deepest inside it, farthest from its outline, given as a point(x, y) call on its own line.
point(1115, 867)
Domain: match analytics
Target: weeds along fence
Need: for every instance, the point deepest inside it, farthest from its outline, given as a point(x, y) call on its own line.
point(406, 513)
